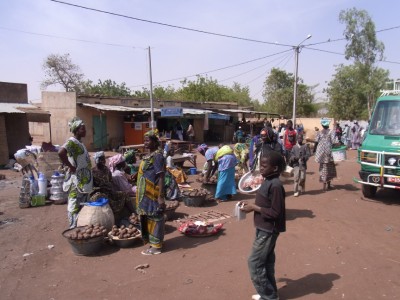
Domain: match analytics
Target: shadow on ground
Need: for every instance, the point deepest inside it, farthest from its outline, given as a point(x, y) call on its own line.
point(315, 283)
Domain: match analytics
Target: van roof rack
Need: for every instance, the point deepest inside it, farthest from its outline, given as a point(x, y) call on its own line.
point(390, 92)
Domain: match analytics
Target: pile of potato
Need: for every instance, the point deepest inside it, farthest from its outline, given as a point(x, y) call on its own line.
point(195, 192)
point(124, 232)
point(87, 232)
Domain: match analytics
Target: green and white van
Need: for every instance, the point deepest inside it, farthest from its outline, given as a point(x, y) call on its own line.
point(379, 154)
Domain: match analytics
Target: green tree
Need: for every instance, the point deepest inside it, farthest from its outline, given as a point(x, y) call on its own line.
point(106, 88)
point(59, 69)
point(159, 92)
point(364, 48)
point(278, 95)
point(346, 91)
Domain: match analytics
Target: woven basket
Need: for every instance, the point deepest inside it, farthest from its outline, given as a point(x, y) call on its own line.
point(194, 200)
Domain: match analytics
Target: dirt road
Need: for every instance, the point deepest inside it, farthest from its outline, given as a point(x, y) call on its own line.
point(338, 245)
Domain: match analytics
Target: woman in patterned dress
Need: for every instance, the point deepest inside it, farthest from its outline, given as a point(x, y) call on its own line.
point(323, 154)
point(150, 194)
point(78, 180)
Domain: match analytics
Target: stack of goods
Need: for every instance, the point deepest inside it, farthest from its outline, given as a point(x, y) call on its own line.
point(25, 193)
point(86, 240)
point(87, 232)
point(199, 228)
point(57, 194)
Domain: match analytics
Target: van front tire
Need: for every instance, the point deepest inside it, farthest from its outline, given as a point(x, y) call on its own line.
point(369, 191)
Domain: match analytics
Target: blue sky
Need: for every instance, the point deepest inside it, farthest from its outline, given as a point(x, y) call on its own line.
point(32, 30)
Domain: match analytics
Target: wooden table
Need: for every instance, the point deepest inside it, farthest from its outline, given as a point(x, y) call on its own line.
point(180, 144)
point(180, 159)
point(123, 149)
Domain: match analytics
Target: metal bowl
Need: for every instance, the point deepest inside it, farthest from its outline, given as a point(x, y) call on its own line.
point(124, 243)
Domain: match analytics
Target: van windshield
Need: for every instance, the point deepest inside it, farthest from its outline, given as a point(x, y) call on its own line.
point(386, 119)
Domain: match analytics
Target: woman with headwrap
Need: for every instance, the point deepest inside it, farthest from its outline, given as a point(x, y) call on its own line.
point(211, 164)
point(130, 159)
point(150, 195)
point(120, 181)
point(78, 180)
point(102, 177)
point(242, 155)
point(323, 154)
point(267, 142)
point(226, 186)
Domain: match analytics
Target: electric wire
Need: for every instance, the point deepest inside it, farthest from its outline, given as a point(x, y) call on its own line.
point(66, 38)
point(170, 25)
point(215, 70)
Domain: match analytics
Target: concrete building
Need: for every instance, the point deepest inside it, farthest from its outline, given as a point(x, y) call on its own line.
point(114, 121)
point(15, 115)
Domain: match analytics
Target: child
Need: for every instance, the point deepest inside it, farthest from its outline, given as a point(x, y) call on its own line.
point(269, 220)
point(178, 173)
point(298, 160)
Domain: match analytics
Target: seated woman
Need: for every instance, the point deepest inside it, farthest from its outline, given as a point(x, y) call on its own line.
point(178, 173)
point(130, 159)
point(120, 180)
point(103, 185)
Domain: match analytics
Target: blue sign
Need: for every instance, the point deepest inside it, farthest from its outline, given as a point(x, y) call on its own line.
point(172, 112)
point(218, 116)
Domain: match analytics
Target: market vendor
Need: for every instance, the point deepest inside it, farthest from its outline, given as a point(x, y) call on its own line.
point(226, 186)
point(209, 154)
point(241, 152)
point(120, 181)
point(103, 185)
point(78, 181)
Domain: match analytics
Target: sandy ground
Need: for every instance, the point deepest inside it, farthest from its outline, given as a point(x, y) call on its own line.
point(338, 245)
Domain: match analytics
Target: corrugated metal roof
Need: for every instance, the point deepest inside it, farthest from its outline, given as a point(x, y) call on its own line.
point(117, 107)
point(19, 108)
point(253, 112)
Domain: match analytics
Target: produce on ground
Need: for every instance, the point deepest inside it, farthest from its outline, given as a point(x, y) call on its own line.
point(87, 232)
point(199, 228)
point(124, 232)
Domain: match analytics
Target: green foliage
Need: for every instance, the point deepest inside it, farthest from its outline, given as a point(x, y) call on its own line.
point(360, 34)
point(278, 95)
point(364, 48)
point(106, 88)
point(59, 69)
point(348, 91)
point(346, 95)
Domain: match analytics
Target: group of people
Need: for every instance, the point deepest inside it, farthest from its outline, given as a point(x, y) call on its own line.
point(143, 192)
point(270, 156)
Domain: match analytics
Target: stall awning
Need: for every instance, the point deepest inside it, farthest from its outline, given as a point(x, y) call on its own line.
point(33, 113)
point(249, 112)
point(106, 107)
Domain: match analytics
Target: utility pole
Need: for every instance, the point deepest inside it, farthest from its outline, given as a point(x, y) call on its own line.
point(296, 70)
point(151, 93)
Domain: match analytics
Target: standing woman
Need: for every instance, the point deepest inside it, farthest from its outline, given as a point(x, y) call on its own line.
point(150, 194)
point(323, 155)
point(226, 186)
point(79, 180)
